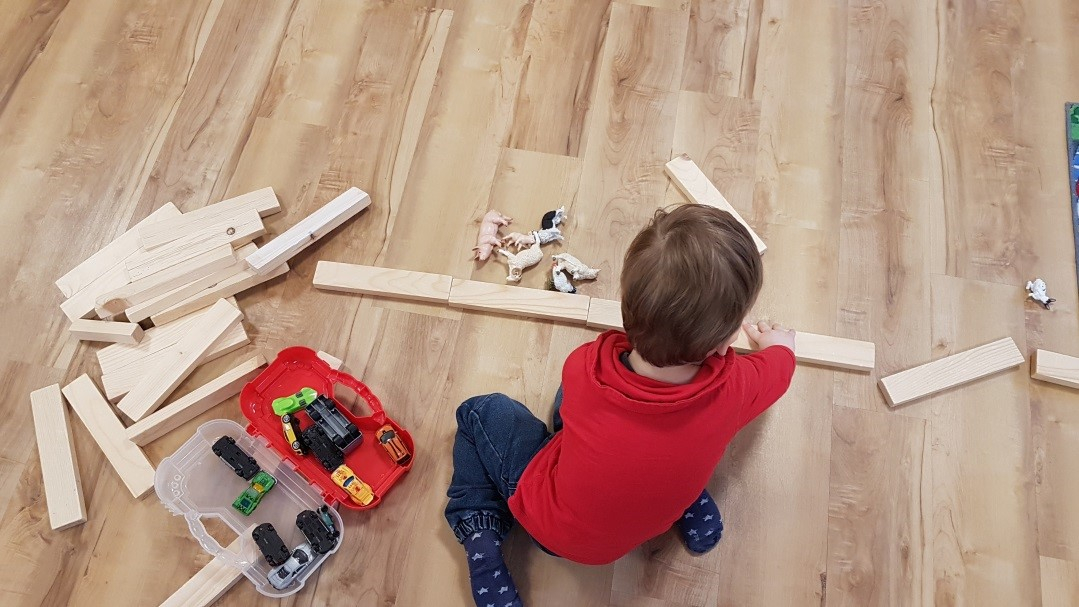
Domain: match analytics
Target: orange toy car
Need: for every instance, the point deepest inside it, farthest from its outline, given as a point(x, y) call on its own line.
point(393, 445)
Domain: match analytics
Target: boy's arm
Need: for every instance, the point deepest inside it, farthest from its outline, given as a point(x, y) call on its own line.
point(769, 370)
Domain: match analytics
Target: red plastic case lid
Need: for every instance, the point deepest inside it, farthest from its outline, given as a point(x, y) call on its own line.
point(298, 367)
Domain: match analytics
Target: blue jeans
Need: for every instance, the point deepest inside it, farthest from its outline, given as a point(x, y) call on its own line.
point(496, 439)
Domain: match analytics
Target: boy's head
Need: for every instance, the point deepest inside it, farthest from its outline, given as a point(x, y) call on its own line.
point(688, 281)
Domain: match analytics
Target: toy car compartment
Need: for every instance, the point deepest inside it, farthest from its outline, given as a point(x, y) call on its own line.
point(296, 368)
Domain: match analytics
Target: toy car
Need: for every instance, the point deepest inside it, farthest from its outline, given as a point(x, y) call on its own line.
point(294, 402)
point(324, 412)
point(393, 445)
point(323, 448)
point(359, 491)
point(241, 463)
point(250, 498)
point(321, 538)
point(272, 546)
point(324, 514)
point(283, 576)
point(291, 426)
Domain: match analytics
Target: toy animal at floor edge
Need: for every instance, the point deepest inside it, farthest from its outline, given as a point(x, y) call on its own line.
point(523, 259)
point(553, 219)
point(558, 280)
point(1037, 291)
point(488, 237)
point(576, 268)
point(520, 241)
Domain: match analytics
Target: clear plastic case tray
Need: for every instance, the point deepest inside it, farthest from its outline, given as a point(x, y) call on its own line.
point(196, 484)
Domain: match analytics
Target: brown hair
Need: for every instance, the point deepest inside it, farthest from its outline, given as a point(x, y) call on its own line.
point(688, 280)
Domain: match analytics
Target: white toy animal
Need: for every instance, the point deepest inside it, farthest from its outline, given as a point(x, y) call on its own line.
point(576, 268)
point(488, 238)
point(522, 260)
point(520, 241)
point(1038, 293)
point(559, 280)
point(552, 219)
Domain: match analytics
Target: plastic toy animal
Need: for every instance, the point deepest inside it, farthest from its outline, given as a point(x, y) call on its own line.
point(523, 259)
point(1037, 290)
point(519, 240)
point(559, 282)
point(552, 219)
point(488, 237)
point(576, 268)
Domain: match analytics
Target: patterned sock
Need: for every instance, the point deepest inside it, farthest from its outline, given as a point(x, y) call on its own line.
point(487, 572)
point(701, 525)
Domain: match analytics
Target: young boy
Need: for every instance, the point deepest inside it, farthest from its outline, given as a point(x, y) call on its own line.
point(644, 415)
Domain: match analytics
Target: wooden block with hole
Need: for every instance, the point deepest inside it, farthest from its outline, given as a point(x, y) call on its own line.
point(696, 186)
point(519, 301)
point(159, 283)
point(106, 331)
point(1055, 368)
point(198, 401)
point(109, 434)
point(950, 371)
point(308, 230)
point(235, 231)
point(179, 361)
point(387, 282)
point(59, 467)
point(263, 201)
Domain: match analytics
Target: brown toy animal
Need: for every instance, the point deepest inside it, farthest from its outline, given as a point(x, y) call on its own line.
point(489, 238)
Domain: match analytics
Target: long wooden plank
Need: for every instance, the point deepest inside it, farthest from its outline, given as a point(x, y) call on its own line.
point(950, 371)
point(316, 225)
point(96, 414)
point(263, 201)
point(111, 255)
point(238, 282)
point(236, 231)
point(59, 467)
point(689, 178)
point(107, 331)
point(211, 582)
point(193, 404)
point(519, 301)
point(141, 311)
point(370, 280)
point(117, 356)
point(159, 283)
point(604, 314)
point(119, 382)
point(1055, 368)
point(179, 361)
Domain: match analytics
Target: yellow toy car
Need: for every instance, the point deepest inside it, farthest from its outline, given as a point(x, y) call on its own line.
point(359, 491)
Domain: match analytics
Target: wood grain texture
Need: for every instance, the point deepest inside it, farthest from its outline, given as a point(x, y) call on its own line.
point(604, 314)
point(951, 371)
point(716, 46)
point(96, 414)
point(115, 357)
point(101, 330)
point(196, 402)
point(211, 582)
point(239, 282)
point(178, 361)
point(263, 201)
point(1055, 368)
point(169, 279)
point(521, 301)
point(1060, 582)
point(237, 232)
point(386, 282)
point(699, 189)
point(56, 449)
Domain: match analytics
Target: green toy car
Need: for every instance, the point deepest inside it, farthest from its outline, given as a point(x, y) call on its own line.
point(295, 402)
point(261, 484)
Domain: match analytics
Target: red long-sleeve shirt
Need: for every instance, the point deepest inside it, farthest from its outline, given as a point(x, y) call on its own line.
point(634, 452)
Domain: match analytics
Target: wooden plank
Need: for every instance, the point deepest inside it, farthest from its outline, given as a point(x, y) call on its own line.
point(96, 414)
point(1060, 582)
point(59, 467)
point(950, 371)
point(141, 311)
point(316, 225)
point(103, 330)
point(162, 282)
point(179, 361)
point(264, 201)
point(241, 281)
point(689, 178)
point(117, 356)
point(604, 314)
point(335, 363)
point(111, 255)
point(370, 280)
point(1056, 368)
point(211, 582)
point(520, 301)
point(231, 230)
point(119, 382)
point(198, 401)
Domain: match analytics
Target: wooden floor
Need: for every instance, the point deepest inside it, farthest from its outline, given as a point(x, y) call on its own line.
point(903, 159)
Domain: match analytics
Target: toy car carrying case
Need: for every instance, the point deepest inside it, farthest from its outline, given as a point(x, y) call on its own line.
point(195, 483)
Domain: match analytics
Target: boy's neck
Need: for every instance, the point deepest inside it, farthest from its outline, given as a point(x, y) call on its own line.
point(676, 374)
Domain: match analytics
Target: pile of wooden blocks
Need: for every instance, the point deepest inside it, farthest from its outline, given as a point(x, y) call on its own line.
point(161, 293)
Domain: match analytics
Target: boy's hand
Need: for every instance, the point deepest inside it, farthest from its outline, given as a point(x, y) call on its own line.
point(765, 335)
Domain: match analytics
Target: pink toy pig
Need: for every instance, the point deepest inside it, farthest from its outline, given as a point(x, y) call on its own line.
point(489, 238)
